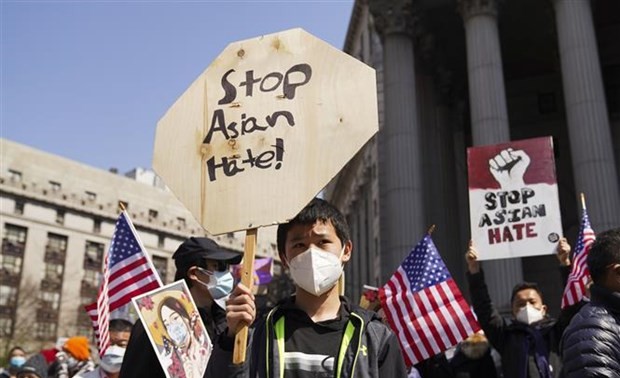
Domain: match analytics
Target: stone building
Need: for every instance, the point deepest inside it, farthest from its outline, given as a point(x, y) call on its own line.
point(57, 217)
point(459, 73)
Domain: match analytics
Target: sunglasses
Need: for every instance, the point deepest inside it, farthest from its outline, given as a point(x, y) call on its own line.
point(218, 266)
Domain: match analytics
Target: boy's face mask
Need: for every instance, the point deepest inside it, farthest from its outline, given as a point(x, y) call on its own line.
point(315, 270)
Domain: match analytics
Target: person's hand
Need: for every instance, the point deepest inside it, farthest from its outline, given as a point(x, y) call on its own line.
point(240, 309)
point(473, 265)
point(508, 168)
point(563, 252)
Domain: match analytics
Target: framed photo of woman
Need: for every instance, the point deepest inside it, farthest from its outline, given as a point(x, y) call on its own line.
point(179, 338)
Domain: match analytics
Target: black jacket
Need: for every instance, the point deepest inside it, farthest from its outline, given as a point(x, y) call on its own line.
point(591, 343)
point(140, 359)
point(515, 341)
point(372, 352)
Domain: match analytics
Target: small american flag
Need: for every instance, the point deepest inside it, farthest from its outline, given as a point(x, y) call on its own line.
point(129, 273)
point(423, 305)
point(579, 275)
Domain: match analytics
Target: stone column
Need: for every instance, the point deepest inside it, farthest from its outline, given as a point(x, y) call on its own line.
point(400, 164)
point(589, 130)
point(437, 116)
point(489, 115)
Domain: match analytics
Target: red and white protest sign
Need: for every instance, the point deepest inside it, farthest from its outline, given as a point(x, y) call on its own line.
point(513, 199)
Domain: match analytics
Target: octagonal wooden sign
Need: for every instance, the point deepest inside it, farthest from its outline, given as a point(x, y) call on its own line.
point(264, 128)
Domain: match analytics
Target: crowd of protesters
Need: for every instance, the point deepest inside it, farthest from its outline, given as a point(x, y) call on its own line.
point(326, 335)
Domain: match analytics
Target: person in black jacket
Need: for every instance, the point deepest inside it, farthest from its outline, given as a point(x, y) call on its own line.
point(528, 343)
point(591, 344)
point(316, 332)
point(204, 266)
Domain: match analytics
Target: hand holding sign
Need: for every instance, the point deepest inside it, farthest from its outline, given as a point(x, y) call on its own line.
point(563, 252)
point(240, 308)
point(471, 256)
point(508, 167)
point(256, 136)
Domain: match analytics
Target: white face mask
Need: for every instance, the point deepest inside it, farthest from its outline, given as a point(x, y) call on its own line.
point(528, 314)
point(112, 359)
point(316, 271)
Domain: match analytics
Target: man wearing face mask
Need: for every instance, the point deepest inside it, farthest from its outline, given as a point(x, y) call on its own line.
point(529, 344)
point(591, 343)
point(205, 267)
point(316, 332)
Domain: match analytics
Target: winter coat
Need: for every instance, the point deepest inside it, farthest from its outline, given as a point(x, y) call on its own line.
point(591, 344)
point(371, 351)
point(522, 347)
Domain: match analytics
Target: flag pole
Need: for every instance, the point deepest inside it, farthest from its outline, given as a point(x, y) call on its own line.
point(133, 229)
point(583, 201)
point(431, 229)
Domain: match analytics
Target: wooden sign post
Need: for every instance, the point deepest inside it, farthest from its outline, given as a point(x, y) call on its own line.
point(258, 134)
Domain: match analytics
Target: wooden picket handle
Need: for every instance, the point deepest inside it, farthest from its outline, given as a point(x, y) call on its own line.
point(247, 278)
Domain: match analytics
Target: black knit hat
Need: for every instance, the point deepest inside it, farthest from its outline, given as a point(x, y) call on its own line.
point(35, 365)
point(194, 249)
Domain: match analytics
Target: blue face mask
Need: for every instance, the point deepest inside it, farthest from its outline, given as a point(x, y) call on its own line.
point(220, 283)
point(17, 361)
point(177, 332)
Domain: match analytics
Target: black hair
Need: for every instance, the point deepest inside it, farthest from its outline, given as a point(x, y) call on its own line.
point(16, 348)
point(524, 286)
point(120, 325)
point(604, 251)
point(181, 272)
point(316, 210)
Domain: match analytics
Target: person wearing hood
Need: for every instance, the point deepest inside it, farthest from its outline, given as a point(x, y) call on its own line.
point(529, 342)
point(73, 359)
point(316, 332)
point(205, 267)
point(34, 367)
point(16, 358)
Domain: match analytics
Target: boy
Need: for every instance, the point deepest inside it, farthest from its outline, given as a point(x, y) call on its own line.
point(316, 332)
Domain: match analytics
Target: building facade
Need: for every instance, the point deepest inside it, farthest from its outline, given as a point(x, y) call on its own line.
point(57, 217)
point(459, 73)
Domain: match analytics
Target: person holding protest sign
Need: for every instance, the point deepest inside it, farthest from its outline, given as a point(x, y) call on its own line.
point(205, 267)
point(316, 332)
point(529, 344)
point(591, 344)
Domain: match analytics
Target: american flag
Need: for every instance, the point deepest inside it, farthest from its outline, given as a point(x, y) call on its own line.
point(423, 305)
point(129, 273)
point(579, 275)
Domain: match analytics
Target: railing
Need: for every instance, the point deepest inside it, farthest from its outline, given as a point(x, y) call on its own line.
point(47, 315)
point(9, 279)
point(13, 248)
point(54, 255)
point(50, 284)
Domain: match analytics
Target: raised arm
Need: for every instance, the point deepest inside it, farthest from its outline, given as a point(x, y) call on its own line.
point(490, 319)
